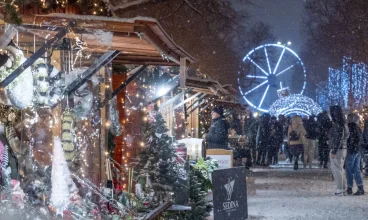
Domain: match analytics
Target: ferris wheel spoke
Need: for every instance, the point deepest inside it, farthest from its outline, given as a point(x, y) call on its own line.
point(286, 69)
point(278, 62)
point(263, 97)
point(257, 77)
point(268, 61)
point(257, 87)
point(250, 59)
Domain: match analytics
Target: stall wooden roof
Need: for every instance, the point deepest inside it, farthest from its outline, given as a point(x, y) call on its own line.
point(141, 40)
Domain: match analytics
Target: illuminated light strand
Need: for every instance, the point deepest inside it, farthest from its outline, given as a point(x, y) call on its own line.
point(295, 103)
point(278, 62)
point(257, 77)
point(263, 97)
point(286, 69)
point(256, 87)
point(268, 61)
point(264, 48)
point(250, 59)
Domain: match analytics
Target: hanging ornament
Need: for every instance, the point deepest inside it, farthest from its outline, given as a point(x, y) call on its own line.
point(48, 84)
point(115, 128)
point(19, 93)
point(67, 136)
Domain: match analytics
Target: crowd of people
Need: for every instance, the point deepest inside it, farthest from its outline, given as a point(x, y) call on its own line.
point(340, 141)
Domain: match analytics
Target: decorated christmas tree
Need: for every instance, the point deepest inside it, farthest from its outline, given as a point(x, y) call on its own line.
point(156, 164)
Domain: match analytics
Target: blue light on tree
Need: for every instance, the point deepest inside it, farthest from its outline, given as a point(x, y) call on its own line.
point(348, 85)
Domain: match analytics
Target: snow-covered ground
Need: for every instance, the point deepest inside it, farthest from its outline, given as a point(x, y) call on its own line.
point(280, 193)
point(302, 196)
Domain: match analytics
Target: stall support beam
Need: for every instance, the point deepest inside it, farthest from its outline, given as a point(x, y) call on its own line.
point(124, 85)
point(102, 61)
point(199, 99)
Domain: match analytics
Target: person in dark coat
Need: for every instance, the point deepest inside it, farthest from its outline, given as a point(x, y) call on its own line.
point(217, 136)
point(250, 131)
point(263, 139)
point(236, 124)
point(324, 126)
point(365, 144)
point(311, 127)
point(339, 135)
point(276, 139)
point(352, 161)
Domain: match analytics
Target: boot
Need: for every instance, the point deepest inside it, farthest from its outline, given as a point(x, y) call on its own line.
point(360, 191)
point(349, 191)
point(296, 165)
point(325, 165)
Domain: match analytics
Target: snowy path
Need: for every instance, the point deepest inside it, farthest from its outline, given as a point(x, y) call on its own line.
point(295, 198)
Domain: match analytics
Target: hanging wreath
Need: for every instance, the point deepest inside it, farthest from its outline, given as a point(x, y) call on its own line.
point(20, 91)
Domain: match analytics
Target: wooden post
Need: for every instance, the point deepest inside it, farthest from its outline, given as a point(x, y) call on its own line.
point(183, 72)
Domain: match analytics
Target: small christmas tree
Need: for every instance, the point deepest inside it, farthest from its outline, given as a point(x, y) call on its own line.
point(156, 164)
point(200, 207)
point(62, 183)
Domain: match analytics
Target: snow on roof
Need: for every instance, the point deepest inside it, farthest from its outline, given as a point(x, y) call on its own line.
point(100, 18)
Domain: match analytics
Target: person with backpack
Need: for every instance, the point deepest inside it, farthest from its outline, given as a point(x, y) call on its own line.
point(296, 139)
point(311, 127)
point(339, 135)
point(352, 162)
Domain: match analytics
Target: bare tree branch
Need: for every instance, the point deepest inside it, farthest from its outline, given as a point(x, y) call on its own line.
point(126, 5)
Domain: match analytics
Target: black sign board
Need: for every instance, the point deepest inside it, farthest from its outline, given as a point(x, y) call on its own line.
point(230, 194)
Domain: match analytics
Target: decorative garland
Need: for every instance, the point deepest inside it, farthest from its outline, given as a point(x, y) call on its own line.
point(67, 136)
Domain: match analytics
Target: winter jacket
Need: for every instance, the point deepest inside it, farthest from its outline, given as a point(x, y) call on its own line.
point(217, 136)
point(311, 127)
point(355, 138)
point(277, 136)
point(263, 136)
point(297, 126)
point(365, 135)
point(236, 124)
point(338, 137)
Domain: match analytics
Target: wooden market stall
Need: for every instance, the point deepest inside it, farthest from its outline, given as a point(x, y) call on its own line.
point(137, 41)
point(206, 93)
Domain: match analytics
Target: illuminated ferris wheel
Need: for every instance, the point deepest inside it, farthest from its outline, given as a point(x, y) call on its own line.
point(269, 68)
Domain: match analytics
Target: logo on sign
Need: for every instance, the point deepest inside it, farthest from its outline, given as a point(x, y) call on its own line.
point(229, 189)
point(229, 205)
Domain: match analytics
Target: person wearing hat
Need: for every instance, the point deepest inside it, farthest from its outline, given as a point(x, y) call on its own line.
point(217, 136)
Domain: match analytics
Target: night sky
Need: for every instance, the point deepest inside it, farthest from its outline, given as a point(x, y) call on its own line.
point(284, 16)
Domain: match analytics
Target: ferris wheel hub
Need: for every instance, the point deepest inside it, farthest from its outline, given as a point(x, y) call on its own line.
point(272, 80)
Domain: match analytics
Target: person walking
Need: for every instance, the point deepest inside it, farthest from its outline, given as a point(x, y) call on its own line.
point(263, 139)
point(324, 126)
point(365, 144)
point(296, 139)
point(311, 127)
point(217, 136)
point(339, 135)
point(250, 130)
point(352, 162)
point(276, 139)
